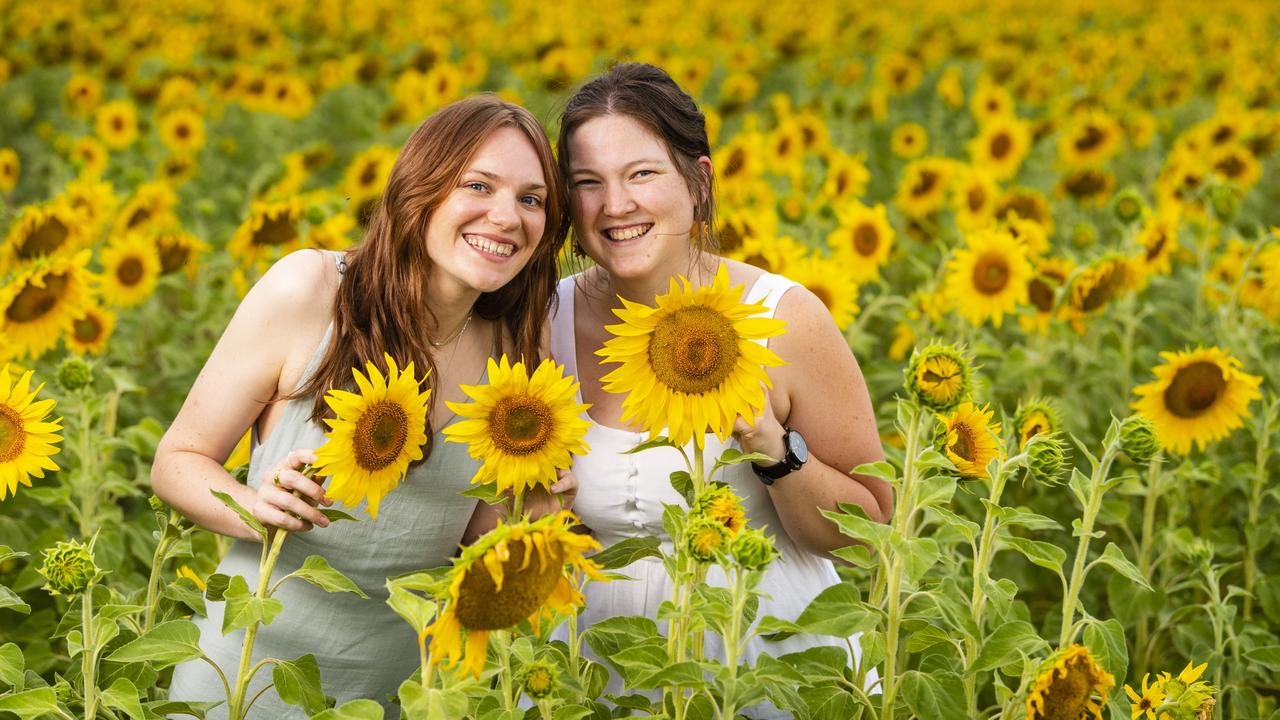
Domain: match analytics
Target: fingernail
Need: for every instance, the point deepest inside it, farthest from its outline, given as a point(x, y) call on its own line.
point(324, 522)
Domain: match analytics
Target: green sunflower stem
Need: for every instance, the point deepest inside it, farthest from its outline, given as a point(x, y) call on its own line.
point(978, 598)
point(503, 638)
point(152, 603)
point(88, 655)
point(1256, 487)
point(903, 510)
point(733, 639)
point(1144, 556)
point(1093, 505)
point(237, 707)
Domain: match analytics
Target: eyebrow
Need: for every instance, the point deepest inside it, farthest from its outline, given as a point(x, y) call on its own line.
point(628, 166)
point(496, 177)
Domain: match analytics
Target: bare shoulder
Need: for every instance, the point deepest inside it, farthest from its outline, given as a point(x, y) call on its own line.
point(808, 320)
point(302, 281)
point(741, 273)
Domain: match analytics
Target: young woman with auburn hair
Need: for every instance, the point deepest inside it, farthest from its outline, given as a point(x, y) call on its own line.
point(458, 266)
point(633, 148)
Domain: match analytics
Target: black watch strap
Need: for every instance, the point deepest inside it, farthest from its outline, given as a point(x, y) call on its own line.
point(794, 457)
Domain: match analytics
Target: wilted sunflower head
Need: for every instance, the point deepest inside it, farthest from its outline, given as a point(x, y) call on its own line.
point(1070, 685)
point(970, 439)
point(68, 568)
point(375, 435)
point(938, 376)
point(522, 427)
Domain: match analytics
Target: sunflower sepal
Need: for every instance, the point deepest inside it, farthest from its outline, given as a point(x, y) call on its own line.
point(660, 441)
point(244, 514)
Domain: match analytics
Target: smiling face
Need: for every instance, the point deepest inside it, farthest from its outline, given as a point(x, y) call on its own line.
point(489, 225)
point(633, 212)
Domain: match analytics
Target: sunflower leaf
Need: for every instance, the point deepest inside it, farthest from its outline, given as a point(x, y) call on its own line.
point(1114, 557)
point(1268, 656)
point(317, 571)
point(7, 552)
point(30, 703)
point(730, 456)
point(244, 608)
point(660, 441)
point(1006, 645)
point(12, 665)
point(682, 483)
point(853, 521)
point(123, 696)
point(934, 695)
point(245, 515)
point(355, 710)
point(333, 514)
point(298, 683)
point(625, 552)
point(1046, 555)
point(488, 493)
point(10, 600)
point(1106, 641)
point(168, 643)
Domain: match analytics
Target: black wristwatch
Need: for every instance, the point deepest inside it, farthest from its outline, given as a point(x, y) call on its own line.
point(796, 455)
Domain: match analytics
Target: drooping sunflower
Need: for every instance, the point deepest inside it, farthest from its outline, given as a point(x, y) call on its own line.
point(1036, 417)
point(691, 364)
point(1042, 292)
point(40, 303)
point(830, 280)
point(376, 433)
point(116, 124)
point(1198, 396)
point(1025, 203)
point(179, 250)
point(27, 441)
point(515, 572)
point(1094, 287)
point(1158, 238)
point(182, 131)
point(863, 241)
point(48, 229)
point(272, 230)
point(970, 439)
point(522, 428)
point(152, 205)
point(1089, 186)
point(938, 376)
point(988, 277)
point(1066, 686)
point(90, 332)
point(130, 269)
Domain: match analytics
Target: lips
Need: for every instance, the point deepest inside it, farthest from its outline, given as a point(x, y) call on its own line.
point(627, 232)
point(491, 245)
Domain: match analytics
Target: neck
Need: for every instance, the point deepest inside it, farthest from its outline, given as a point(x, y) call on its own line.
point(698, 268)
point(450, 304)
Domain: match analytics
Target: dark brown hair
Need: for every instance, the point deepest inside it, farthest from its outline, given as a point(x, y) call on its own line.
point(648, 95)
point(381, 304)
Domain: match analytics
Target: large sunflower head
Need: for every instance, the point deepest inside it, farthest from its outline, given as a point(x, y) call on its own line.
point(376, 433)
point(522, 428)
point(40, 303)
point(130, 269)
point(863, 241)
point(970, 439)
point(1070, 685)
point(513, 573)
point(42, 230)
point(938, 376)
point(691, 364)
point(272, 230)
point(27, 440)
point(1198, 396)
point(988, 277)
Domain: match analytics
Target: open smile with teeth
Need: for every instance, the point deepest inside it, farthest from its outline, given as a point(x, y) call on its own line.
point(627, 233)
point(492, 247)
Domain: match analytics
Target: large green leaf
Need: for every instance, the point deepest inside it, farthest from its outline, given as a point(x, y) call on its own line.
point(9, 600)
point(421, 703)
point(30, 704)
point(1268, 656)
point(1045, 554)
point(685, 674)
point(298, 683)
point(244, 608)
point(123, 696)
point(167, 644)
point(938, 695)
point(317, 571)
point(830, 702)
point(185, 591)
point(245, 515)
point(1007, 644)
point(625, 552)
point(1106, 641)
point(12, 665)
point(7, 552)
point(415, 609)
point(918, 555)
point(853, 521)
point(838, 611)
point(354, 710)
point(1114, 557)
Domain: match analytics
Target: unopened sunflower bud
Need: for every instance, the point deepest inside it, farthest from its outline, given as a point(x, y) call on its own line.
point(156, 503)
point(1138, 439)
point(720, 504)
point(315, 215)
point(1128, 206)
point(1084, 234)
point(74, 373)
point(705, 538)
point(1225, 201)
point(1046, 457)
point(68, 568)
point(938, 377)
point(540, 679)
point(1036, 417)
point(752, 549)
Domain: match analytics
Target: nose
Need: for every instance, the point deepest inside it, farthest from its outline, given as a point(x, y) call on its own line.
point(503, 212)
point(617, 200)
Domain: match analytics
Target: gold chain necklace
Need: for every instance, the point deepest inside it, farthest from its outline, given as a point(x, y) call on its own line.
point(456, 335)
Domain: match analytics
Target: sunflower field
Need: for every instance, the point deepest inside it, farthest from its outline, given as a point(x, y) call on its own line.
point(1049, 232)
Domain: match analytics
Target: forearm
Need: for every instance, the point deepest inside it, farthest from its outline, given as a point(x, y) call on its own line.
point(801, 496)
point(186, 481)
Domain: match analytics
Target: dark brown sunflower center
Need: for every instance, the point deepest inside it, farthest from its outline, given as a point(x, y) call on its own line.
point(173, 256)
point(130, 271)
point(117, 123)
point(138, 217)
point(1195, 389)
point(183, 131)
point(991, 274)
point(964, 446)
point(276, 230)
point(925, 183)
point(1090, 139)
point(1231, 166)
point(1000, 146)
point(46, 238)
point(380, 435)
point(520, 425)
point(1155, 244)
point(730, 238)
point(693, 350)
point(976, 198)
point(33, 302)
point(1068, 697)
point(842, 183)
point(759, 260)
point(12, 436)
point(784, 147)
point(482, 606)
point(1086, 183)
point(737, 161)
point(368, 175)
point(823, 294)
point(87, 329)
point(1040, 294)
point(866, 239)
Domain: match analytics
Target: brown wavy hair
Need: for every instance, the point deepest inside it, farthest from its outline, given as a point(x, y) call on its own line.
point(381, 305)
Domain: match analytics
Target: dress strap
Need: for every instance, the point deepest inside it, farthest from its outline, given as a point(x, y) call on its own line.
point(768, 290)
point(563, 343)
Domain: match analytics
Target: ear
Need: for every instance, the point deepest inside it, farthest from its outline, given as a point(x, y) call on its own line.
point(708, 172)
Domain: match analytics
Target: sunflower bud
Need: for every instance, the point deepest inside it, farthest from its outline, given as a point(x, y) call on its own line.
point(1127, 206)
point(1084, 234)
point(705, 538)
point(1187, 697)
point(1036, 417)
point(938, 377)
point(752, 549)
point(1046, 457)
point(315, 215)
point(74, 373)
point(718, 503)
point(68, 568)
point(1138, 439)
point(540, 679)
point(1225, 201)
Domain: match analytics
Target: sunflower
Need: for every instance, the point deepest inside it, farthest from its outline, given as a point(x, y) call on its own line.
point(1097, 285)
point(1036, 417)
point(1089, 139)
point(27, 442)
point(90, 155)
point(116, 123)
point(91, 331)
point(50, 229)
point(784, 151)
point(130, 269)
point(179, 250)
point(523, 428)
point(1065, 687)
point(271, 231)
point(973, 199)
point(367, 174)
point(830, 281)
point(1042, 292)
point(41, 302)
point(1025, 203)
point(513, 573)
point(846, 178)
point(691, 363)
point(775, 255)
point(908, 140)
point(990, 101)
point(152, 205)
point(93, 199)
point(1001, 146)
point(182, 131)
point(898, 72)
point(10, 168)
point(375, 435)
point(988, 278)
point(1029, 234)
point(1237, 165)
point(82, 93)
point(1157, 239)
point(863, 241)
point(718, 503)
point(1144, 703)
point(970, 439)
point(1199, 396)
point(923, 187)
point(938, 377)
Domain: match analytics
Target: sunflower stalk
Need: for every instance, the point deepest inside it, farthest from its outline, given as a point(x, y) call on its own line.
point(1093, 504)
point(1257, 483)
point(89, 655)
point(981, 564)
point(1149, 506)
point(903, 510)
point(733, 640)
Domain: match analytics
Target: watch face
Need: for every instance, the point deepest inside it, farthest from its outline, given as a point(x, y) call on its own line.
point(798, 447)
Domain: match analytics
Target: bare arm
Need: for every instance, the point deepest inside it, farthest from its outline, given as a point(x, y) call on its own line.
point(821, 394)
point(241, 376)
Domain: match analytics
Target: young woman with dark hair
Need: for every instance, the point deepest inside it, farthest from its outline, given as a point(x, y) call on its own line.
point(457, 266)
point(633, 149)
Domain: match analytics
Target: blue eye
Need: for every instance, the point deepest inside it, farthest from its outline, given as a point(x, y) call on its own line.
point(643, 173)
point(477, 186)
point(532, 200)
